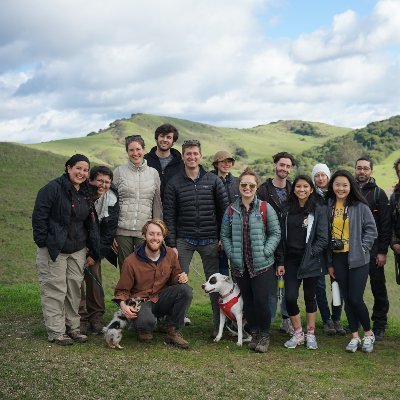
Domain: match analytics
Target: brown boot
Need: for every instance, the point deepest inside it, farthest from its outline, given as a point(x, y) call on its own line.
point(145, 336)
point(174, 337)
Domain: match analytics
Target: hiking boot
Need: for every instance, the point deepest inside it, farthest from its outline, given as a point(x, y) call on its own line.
point(175, 338)
point(145, 336)
point(77, 336)
point(263, 344)
point(379, 334)
point(62, 340)
point(187, 321)
point(354, 345)
point(329, 328)
point(368, 343)
point(294, 341)
point(255, 338)
point(286, 326)
point(84, 327)
point(339, 328)
point(96, 327)
point(311, 342)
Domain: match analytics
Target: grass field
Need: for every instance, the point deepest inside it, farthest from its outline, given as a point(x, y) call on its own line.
point(32, 368)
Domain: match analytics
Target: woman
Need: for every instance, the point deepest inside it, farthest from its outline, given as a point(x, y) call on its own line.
point(250, 238)
point(301, 256)
point(138, 187)
point(64, 225)
point(353, 233)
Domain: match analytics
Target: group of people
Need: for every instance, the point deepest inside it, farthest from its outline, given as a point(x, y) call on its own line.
point(150, 215)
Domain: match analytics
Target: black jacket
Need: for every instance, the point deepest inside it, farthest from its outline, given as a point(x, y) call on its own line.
point(53, 218)
point(194, 210)
point(380, 207)
point(231, 184)
point(173, 167)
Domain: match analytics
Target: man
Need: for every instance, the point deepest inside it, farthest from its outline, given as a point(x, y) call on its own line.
point(380, 208)
point(395, 208)
point(331, 321)
point(92, 306)
point(152, 273)
point(194, 204)
point(223, 163)
point(276, 191)
point(166, 160)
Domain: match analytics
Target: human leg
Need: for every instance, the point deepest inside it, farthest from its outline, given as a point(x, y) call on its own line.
point(125, 247)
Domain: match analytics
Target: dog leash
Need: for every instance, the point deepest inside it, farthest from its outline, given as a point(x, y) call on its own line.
point(87, 271)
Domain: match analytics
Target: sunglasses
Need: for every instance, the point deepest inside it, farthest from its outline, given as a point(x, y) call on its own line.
point(251, 185)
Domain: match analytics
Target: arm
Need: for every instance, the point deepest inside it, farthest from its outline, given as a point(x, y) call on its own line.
point(170, 214)
point(384, 224)
point(273, 236)
point(369, 231)
point(321, 238)
point(221, 200)
point(157, 205)
point(226, 234)
point(177, 276)
point(124, 287)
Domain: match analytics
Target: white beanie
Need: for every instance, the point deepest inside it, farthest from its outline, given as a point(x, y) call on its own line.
point(320, 168)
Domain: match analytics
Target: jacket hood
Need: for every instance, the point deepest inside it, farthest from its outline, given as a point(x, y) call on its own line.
point(141, 253)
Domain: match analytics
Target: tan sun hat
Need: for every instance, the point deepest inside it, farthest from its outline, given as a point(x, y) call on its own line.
point(223, 155)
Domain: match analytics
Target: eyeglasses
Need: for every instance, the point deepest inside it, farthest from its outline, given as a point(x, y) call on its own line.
point(192, 142)
point(251, 185)
point(103, 182)
point(363, 168)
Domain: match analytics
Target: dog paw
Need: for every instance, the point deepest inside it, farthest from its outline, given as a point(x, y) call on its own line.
point(119, 347)
point(239, 344)
point(217, 339)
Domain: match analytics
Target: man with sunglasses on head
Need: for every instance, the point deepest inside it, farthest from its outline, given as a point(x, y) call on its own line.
point(380, 207)
point(275, 191)
point(165, 159)
point(194, 204)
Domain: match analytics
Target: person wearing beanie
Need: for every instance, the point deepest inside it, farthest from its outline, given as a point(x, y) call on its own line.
point(64, 225)
point(321, 175)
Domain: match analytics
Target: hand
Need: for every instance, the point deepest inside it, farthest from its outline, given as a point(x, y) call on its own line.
point(396, 248)
point(183, 278)
point(331, 272)
point(175, 251)
point(220, 247)
point(90, 262)
point(130, 312)
point(280, 270)
point(114, 246)
point(380, 260)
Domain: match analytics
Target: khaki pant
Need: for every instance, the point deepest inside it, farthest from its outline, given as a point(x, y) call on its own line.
point(60, 289)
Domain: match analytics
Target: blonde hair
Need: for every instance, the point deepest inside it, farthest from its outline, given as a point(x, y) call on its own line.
point(159, 223)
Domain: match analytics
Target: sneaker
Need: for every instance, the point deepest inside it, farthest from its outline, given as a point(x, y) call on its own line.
point(62, 340)
point(368, 343)
point(263, 344)
point(311, 342)
point(329, 328)
point(96, 327)
point(294, 341)
point(145, 336)
point(339, 328)
point(187, 321)
point(379, 334)
point(255, 338)
point(354, 344)
point(175, 338)
point(77, 336)
point(286, 326)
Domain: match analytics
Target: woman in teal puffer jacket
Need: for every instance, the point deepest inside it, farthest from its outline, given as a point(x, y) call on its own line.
point(250, 234)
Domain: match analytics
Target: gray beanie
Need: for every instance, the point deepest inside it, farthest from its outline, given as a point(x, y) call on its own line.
point(320, 168)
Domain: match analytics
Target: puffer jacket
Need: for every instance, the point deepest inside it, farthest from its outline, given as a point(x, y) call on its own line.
point(264, 241)
point(194, 210)
point(231, 184)
point(51, 219)
point(139, 197)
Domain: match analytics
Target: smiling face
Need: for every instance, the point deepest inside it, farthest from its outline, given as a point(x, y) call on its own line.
point(302, 190)
point(248, 187)
point(191, 157)
point(165, 142)
point(154, 238)
point(136, 153)
point(78, 173)
point(341, 187)
point(283, 167)
point(224, 166)
point(102, 182)
point(363, 171)
point(321, 180)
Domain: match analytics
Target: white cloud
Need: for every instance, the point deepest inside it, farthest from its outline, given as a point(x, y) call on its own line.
point(70, 67)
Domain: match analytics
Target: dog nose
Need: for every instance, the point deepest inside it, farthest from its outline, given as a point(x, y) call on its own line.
point(203, 286)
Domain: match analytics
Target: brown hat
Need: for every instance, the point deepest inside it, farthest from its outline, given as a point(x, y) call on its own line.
point(223, 155)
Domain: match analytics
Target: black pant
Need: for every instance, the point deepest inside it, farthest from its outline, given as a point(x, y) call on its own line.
point(255, 292)
point(292, 285)
point(381, 302)
point(352, 282)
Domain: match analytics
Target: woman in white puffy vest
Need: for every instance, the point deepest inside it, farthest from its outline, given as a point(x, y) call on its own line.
point(139, 194)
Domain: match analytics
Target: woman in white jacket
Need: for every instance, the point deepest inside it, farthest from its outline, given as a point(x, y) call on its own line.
point(139, 195)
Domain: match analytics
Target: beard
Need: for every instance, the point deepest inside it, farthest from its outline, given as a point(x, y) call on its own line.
point(154, 246)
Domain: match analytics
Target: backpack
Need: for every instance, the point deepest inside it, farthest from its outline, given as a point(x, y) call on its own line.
point(263, 212)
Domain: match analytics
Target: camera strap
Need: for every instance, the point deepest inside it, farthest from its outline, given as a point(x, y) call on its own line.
point(345, 214)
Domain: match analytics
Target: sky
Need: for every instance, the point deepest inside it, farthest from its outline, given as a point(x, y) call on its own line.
point(68, 68)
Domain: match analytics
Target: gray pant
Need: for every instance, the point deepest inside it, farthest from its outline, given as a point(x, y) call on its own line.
point(172, 302)
point(126, 245)
point(210, 260)
point(60, 290)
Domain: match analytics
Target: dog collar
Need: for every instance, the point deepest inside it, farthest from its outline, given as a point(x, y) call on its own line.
point(229, 293)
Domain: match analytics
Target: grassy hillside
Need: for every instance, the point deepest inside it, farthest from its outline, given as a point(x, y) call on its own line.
point(107, 146)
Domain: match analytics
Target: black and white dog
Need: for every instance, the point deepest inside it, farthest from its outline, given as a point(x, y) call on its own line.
point(230, 305)
point(113, 331)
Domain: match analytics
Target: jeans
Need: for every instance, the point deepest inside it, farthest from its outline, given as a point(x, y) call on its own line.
point(322, 302)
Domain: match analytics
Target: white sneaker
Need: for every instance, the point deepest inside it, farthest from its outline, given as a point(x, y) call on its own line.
point(286, 326)
point(368, 343)
point(353, 345)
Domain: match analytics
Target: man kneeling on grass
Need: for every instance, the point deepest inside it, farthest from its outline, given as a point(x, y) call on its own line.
point(152, 274)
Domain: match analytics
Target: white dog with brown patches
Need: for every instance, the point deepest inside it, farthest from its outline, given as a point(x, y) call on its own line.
point(230, 305)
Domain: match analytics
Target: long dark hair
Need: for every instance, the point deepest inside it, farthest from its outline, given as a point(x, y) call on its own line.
point(293, 201)
point(355, 195)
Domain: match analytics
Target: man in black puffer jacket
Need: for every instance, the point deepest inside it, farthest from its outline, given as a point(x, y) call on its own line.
point(194, 204)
